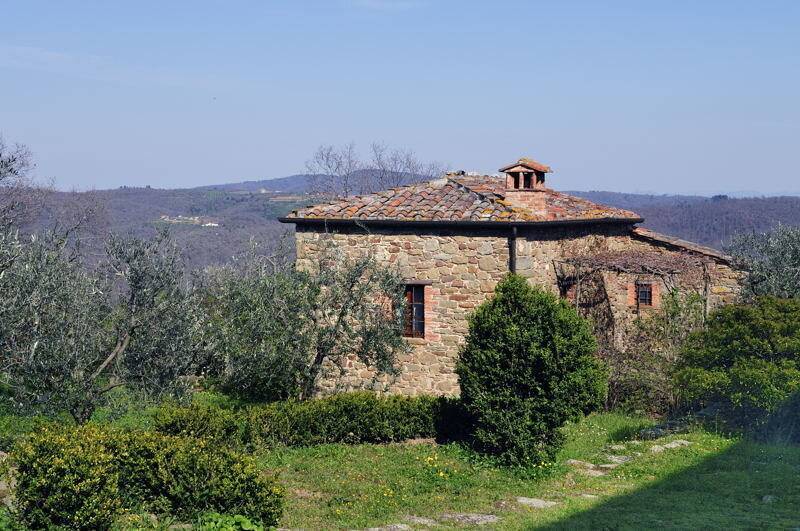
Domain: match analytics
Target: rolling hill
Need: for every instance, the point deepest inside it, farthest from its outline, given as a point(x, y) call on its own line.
point(213, 223)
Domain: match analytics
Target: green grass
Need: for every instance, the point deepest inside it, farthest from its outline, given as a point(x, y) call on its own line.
point(714, 482)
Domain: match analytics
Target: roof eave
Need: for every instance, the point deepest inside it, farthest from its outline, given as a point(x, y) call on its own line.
point(662, 239)
point(460, 223)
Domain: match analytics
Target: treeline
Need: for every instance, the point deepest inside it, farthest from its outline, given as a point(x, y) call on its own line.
point(707, 221)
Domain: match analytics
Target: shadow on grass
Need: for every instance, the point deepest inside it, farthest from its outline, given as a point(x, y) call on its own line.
point(754, 484)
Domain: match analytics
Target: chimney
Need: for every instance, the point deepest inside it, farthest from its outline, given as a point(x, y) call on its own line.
point(525, 179)
point(525, 175)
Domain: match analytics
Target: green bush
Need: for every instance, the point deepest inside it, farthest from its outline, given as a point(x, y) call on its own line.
point(640, 375)
point(207, 421)
point(783, 425)
point(15, 427)
point(223, 522)
point(84, 478)
point(747, 360)
point(359, 417)
point(527, 367)
point(349, 418)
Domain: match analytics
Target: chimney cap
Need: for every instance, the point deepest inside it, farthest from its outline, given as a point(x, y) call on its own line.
point(526, 164)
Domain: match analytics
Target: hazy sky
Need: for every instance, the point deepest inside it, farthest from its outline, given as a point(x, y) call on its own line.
point(662, 96)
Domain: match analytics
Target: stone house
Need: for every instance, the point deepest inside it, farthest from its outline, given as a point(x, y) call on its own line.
point(453, 238)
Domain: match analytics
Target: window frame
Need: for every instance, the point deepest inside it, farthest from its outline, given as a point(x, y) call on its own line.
point(646, 289)
point(414, 315)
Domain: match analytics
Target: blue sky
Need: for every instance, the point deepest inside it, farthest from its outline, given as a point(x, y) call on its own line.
point(668, 97)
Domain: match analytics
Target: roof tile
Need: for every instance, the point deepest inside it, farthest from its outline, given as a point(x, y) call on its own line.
point(459, 198)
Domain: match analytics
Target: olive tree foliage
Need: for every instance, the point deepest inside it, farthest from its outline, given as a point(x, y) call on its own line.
point(68, 335)
point(771, 259)
point(27, 203)
point(158, 321)
point(341, 171)
point(275, 329)
point(19, 196)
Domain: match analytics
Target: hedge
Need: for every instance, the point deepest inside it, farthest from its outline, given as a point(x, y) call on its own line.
point(85, 478)
point(351, 418)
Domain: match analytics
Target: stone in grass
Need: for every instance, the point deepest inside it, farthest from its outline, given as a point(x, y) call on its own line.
point(617, 447)
point(390, 527)
point(419, 520)
point(677, 444)
point(610, 466)
point(471, 518)
point(580, 464)
point(656, 449)
point(619, 459)
point(536, 503)
point(589, 496)
point(769, 498)
point(592, 472)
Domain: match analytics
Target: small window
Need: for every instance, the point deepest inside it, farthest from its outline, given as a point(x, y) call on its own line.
point(567, 287)
point(526, 183)
point(644, 294)
point(415, 311)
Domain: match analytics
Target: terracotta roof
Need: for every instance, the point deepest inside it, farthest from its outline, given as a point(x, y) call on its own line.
point(647, 234)
point(528, 163)
point(464, 198)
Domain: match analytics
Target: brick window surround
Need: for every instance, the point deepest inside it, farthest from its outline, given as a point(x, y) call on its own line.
point(644, 294)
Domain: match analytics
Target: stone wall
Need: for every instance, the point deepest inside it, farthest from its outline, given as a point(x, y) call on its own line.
point(460, 271)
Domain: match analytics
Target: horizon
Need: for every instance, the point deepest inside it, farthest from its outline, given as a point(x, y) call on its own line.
point(741, 194)
point(655, 99)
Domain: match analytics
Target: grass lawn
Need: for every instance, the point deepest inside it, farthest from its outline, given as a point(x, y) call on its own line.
point(715, 482)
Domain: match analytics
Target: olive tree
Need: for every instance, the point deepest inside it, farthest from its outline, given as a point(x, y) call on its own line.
point(772, 260)
point(18, 192)
point(68, 335)
point(276, 328)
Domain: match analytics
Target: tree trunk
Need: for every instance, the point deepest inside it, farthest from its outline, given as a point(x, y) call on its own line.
point(82, 412)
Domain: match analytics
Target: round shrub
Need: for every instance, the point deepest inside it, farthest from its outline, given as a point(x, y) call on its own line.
point(527, 367)
point(747, 360)
point(84, 478)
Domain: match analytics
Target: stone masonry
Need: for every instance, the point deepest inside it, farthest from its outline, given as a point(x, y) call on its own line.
point(460, 234)
point(461, 271)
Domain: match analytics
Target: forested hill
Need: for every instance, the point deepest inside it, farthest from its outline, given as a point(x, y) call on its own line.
point(708, 221)
point(212, 223)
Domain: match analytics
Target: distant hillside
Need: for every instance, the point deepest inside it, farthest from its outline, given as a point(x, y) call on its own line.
point(212, 223)
point(636, 201)
point(292, 184)
point(707, 220)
